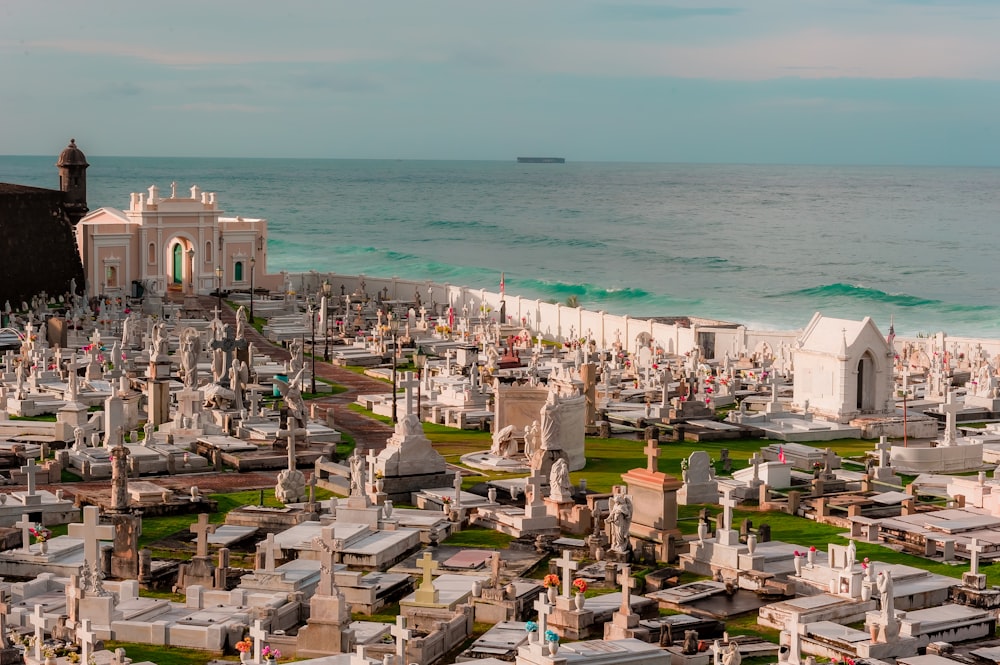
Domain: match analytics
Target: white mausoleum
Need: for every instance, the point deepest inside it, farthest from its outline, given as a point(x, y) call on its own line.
point(843, 369)
point(181, 243)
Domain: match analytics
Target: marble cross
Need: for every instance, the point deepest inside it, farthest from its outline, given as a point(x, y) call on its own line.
point(201, 529)
point(883, 446)
point(258, 635)
point(628, 583)
point(728, 503)
point(30, 470)
point(271, 552)
point(544, 609)
point(4, 612)
point(409, 386)
point(402, 635)
point(86, 635)
point(975, 549)
point(92, 534)
point(358, 657)
point(568, 566)
point(535, 482)
point(756, 460)
point(38, 621)
point(25, 525)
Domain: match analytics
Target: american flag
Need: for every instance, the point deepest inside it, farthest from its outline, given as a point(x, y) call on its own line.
point(501, 286)
point(892, 333)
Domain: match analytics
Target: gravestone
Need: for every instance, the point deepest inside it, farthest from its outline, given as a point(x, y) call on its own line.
point(700, 485)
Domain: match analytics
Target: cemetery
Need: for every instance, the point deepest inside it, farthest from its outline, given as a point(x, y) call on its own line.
point(358, 470)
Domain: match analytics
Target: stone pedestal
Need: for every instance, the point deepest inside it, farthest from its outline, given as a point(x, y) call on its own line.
point(158, 406)
point(125, 553)
point(654, 500)
point(569, 622)
point(328, 630)
point(159, 370)
point(199, 570)
point(357, 510)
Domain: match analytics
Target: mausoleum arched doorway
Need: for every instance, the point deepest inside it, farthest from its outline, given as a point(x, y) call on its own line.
point(866, 383)
point(180, 263)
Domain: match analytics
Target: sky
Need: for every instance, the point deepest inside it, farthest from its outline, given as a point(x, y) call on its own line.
point(741, 81)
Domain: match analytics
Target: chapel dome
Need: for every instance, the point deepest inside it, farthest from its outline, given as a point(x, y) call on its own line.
point(72, 156)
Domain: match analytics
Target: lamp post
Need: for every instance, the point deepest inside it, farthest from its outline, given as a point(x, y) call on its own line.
point(327, 288)
point(312, 349)
point(253, 264)
point(394, 329)
point(218, 275)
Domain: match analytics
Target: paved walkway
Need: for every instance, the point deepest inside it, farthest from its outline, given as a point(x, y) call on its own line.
point(368, 434)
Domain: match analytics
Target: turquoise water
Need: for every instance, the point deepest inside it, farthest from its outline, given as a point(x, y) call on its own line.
point(762, 245)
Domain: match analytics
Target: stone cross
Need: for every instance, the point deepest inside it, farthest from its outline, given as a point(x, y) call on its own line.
point(402, 635)
point(371, 458)
point(358, 657)
point(628, 583)
point(409, 386)
point(228, 345)
point(289, 436)
point(652, 451)
point(86, 635)
point(38, 621)
point(883, 446)
point(950, 409)
point(975, 549)
point(258, 635)
point(728, 503)
point(30, 470)
point(426, 593)
point(326, 546)
point(544, 609)
point(254, 403)
point(4, 612)
point(271, 551)
point(25, 526)
point(568, 566)
point(202, 528)
point(534, 483)
point(756, 460)
point(216, 311)
point(92, 533)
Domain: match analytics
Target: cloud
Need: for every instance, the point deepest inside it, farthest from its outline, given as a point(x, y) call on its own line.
point(664, 13)
point(215, 107)
point(123, 89)
point(181, 57)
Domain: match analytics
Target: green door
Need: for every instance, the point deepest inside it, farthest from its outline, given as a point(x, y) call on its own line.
point(178, 264)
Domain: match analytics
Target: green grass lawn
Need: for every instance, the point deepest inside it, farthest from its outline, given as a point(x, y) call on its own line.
point(164, 655)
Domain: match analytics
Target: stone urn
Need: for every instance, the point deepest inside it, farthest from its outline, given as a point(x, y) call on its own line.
point(797, 561)
point(477, 588)
point(43, 546)
point(379, 484)
point(751, 543)
point(702, 531)
point(866, 591)
point(578, 602)
point(811, 556)
point(552, 592)
point(553, 647)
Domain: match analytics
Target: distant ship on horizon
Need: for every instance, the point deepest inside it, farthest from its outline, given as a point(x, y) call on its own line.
point(541, 160)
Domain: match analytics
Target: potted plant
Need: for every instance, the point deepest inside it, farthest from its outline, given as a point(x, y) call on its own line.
point(531, 628)
point(551, 584)
point(580, 585)
point(245, 647)
point(270, 655)
point(812, 555)
point(797, 562)
point(41, 535)
point(552, 641)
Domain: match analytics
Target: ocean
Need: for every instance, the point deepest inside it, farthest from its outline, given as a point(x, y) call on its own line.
point(766, 246)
